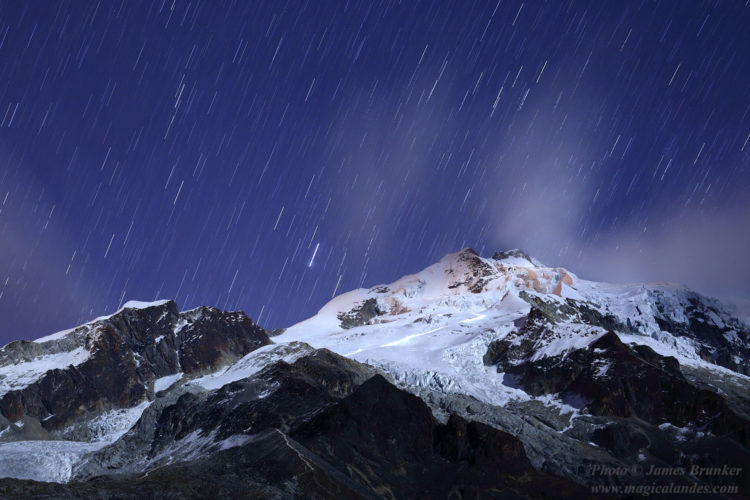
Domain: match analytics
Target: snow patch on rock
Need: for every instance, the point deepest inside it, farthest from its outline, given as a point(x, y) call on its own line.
point(163, 383)
point(19, 375)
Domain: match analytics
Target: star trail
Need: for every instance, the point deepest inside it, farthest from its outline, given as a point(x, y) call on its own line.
point(265, 156)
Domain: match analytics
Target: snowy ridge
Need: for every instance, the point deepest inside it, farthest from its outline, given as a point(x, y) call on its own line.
point(23, 363)
point(21, 374)
point(251, 364)
point(131, 304)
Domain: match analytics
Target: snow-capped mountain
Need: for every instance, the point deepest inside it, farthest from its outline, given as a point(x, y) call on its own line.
point(467, 293)
point(509, 360)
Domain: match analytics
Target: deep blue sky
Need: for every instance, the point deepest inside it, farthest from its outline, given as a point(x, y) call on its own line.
point(203, 150)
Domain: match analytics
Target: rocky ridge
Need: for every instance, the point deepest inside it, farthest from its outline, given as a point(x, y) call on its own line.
point(116, 362)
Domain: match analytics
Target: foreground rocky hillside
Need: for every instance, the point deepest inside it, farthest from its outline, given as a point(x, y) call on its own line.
point(319, 427)
point(474, 378)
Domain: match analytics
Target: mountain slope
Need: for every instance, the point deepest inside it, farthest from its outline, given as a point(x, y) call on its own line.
point(476, 377)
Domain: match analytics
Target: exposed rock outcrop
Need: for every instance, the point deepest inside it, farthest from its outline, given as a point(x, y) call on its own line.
point(115, 360)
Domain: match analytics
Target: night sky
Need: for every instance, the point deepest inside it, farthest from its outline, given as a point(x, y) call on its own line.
point(265, 155)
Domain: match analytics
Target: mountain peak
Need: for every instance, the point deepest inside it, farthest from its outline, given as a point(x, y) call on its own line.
point(514, 253)
point(514, 257)
point(131, 305)
point(146, 341)
point(511, 282)
point(468, 251)
point(464, 255)
point(137, 304)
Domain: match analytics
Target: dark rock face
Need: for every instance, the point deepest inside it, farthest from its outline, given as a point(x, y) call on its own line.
point(724, 338)
point(216, 338)
point(128, 351)
point(321, 427)
point(280, 396)
point(297, 390)
point(361, 315)
point(387, 439)
point(645, 408)
point(609, 378)
point(592, 316)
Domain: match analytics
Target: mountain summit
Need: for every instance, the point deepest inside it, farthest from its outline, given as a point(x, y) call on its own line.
point(466, 289)
point(482, 377)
